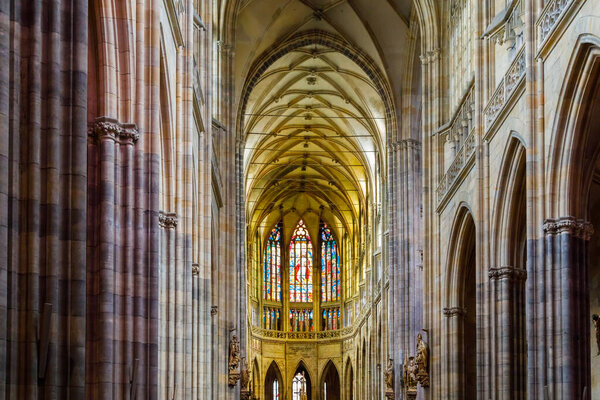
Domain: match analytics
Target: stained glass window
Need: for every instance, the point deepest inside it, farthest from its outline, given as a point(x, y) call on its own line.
point(271, 318)
point(298, 387)
point(301, 320)
point(330, 268)
point(272, 269)
point(301, 288)
point(275, 389)
point(330, 319)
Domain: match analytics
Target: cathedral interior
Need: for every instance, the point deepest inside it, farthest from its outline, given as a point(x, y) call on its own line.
point(300, 199)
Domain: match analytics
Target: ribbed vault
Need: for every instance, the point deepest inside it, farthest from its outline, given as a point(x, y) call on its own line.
point(315, 107)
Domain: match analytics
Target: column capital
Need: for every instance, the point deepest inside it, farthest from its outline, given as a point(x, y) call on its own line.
point(454, 312)
point(110, 128)
point(507, 272)
point(576, 227)
point(167, 220)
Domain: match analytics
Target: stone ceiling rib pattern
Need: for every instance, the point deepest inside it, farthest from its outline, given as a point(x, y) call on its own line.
point(314, 116)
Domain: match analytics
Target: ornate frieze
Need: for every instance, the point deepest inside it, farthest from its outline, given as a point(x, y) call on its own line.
point(458, 133)
point(551, 15)
point(497, 103)
point(167, 220)
point(507, 272)
point(454, 311)
point(573, 226)
point(109, 128)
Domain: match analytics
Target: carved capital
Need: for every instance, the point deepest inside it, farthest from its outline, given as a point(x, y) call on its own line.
point(195, 269)
point(213, 311)
point(430, 56)
point(167, 220)
point(573, 226)
point(507, 272)
point(454, 311)
point(110, 128)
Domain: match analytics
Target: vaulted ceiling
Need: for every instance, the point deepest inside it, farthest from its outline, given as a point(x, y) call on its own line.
point(313, 114)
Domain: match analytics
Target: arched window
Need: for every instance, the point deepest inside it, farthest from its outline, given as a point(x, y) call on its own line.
point(330, 266)
point(301, 288)
point(298, 386)
point(275, 389)
point(272, 270)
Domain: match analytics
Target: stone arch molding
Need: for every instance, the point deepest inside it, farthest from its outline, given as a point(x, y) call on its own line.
point(564, 183)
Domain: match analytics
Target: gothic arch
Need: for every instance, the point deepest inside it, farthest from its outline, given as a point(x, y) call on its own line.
point(349, 380)
point(507, 275)
point(273, 373)
point(574, 147)
point(302, 367)
point(330, 377)
point(461, 310)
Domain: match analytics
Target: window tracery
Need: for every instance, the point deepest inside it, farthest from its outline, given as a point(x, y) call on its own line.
point(301, 253)
point(330, 268)
point(272, 269)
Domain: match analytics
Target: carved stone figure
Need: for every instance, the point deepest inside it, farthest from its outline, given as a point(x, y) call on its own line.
point(234, 360)
point(422, 360)
point(596, 321)
point(389, 379)
point(410, 374)
point(245, 375)
point(234, 353)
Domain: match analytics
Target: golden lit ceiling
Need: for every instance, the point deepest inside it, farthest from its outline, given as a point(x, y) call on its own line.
point(314, 118)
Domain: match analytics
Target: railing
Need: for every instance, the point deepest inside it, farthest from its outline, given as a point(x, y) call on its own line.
point(506, 88)
point(459, 134)
point(550, 17)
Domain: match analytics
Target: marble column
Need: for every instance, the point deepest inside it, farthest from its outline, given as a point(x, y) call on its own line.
point(508, 288)
point(43, 107)
point(557, 302)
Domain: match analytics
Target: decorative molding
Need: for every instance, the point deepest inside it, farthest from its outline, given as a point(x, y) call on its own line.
point(112, 129)
point(550, 18)
point(460, 131)
point(573, 226)
point(507, 272)
point(454, 312)
point(430, 56)
point(167, 220)
point(505, 90)
point(213, 310)
point(195, 269)
point(174, 9)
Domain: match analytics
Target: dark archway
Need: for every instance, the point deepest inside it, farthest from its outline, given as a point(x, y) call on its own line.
point(469, 304)
point(274, 383)
point(302, 371)
point(349, 381)
point(330, 382)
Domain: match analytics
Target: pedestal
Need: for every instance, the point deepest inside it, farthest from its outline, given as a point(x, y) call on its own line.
point(389, 394)
point(234, 376)
point(411, 394)
point(245, 395)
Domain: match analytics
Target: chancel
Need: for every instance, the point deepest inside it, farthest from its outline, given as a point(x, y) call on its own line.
point(300, 199)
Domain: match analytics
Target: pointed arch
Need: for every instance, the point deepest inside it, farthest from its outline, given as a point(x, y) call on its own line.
point(330, 382)
point(297, 383)
point(273, 382)
point(272, 265)
point(301, 265)
point(349, 380)
point(461, 312)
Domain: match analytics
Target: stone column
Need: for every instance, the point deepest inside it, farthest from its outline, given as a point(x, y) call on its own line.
point(508, 288)
point(557, 302)
point(43, 180)
point(453, 368)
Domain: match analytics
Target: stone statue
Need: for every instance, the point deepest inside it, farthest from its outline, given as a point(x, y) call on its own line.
point(596, 321)
point(389, 375)
point(410, 374)
point(234, 360)
point(245, 375)
point(234, 353)
point(422, 359)
point(389, 379)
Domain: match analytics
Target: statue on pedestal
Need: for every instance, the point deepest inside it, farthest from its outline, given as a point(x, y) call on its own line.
point(234, 360)
point(422, 359)
point(410, 377)
point(389, 379)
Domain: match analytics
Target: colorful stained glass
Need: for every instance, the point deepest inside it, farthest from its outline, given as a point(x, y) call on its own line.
point(330, 266)
point(301, 287)
point(272, 266)
point(330, 319)
point(271, 318)
point(301, 320)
